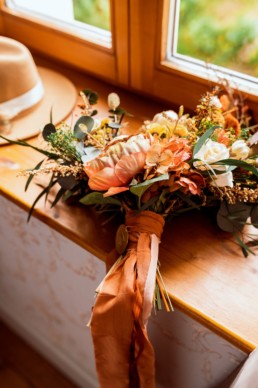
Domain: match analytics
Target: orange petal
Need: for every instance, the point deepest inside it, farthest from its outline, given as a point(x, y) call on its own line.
point(166, 158)
point(115, 190)
point(129, 166)
point(153, 154)
point(104, 179)
point(93, 167)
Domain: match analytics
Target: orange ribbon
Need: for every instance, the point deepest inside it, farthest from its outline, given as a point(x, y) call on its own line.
point(124, 355)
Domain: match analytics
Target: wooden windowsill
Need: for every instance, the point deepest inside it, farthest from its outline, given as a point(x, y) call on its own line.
point(204, 270)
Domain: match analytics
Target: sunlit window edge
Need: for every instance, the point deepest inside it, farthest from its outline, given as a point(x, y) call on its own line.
point(85, 31)
point(213, 73)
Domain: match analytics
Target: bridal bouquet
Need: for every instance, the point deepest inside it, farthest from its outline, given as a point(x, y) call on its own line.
point(174, 163)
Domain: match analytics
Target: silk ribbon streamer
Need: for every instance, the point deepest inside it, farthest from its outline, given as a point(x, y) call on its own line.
point(124, 355)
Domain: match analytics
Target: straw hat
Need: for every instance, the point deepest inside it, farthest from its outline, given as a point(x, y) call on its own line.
point(28, 93)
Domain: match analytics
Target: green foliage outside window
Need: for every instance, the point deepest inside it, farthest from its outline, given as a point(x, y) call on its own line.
point(221, 32)
point(93, 12)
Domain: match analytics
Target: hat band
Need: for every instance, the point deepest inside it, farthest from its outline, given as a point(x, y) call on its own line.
point(25, 101)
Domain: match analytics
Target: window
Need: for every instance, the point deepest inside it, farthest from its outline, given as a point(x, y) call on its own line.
point(89, 19)
point(219, 41)
point(149, 48)
point(220, 33)
point(165, 68)
point(59, 29)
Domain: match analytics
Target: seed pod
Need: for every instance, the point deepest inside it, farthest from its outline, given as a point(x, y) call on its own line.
point(113, 101)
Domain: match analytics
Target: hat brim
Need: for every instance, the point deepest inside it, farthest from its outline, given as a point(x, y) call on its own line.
point(60, 96)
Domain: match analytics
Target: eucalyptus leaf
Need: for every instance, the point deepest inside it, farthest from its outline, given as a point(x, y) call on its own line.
point(96, 198)
point(94, 112)
point(114, 125)
point(90, 154)
point(91, 95)
point(83, 125)
point(67, 182)
point(140, 189)
point(203, 139)
point(48, 130)
point(232, 217)
point(237, 163)
point(254, 215)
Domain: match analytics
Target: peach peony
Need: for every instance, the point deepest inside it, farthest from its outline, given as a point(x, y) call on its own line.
point(112, 177)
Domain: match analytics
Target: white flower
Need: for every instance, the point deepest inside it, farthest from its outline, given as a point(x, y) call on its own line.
point(165, 118)
point(113, 101)
point(239, 149)
point(222, 180)
point(214, 101)
point(211, 152)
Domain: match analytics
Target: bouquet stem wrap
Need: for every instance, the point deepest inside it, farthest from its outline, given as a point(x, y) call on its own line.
point(123, 352)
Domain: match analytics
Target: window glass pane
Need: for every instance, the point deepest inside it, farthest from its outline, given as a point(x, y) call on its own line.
point(89, 18)
point(223, 33)
point(93, 12)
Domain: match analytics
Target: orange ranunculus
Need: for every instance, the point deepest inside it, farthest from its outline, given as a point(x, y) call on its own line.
point(192, 182)
point(114, 177)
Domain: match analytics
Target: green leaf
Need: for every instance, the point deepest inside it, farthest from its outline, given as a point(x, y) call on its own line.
point(91, 95)
point(147, 204)
point(94, 112)
point(32, 175)
point(232, 217)
point(47, 130)
point(67, 182)
point(50, 185)
point(237, 163)
point(140, 189)
point(244, 247)
point(254, 215)
point(43, 192)
point(96, 198)
point(83, 125)
point(58, 196)
point(158, 298)
point(203, 139)
point(23, 143)
point(186, 199)
point(68, 194)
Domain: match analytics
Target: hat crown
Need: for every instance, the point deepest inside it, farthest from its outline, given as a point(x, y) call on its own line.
point(18, 72)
